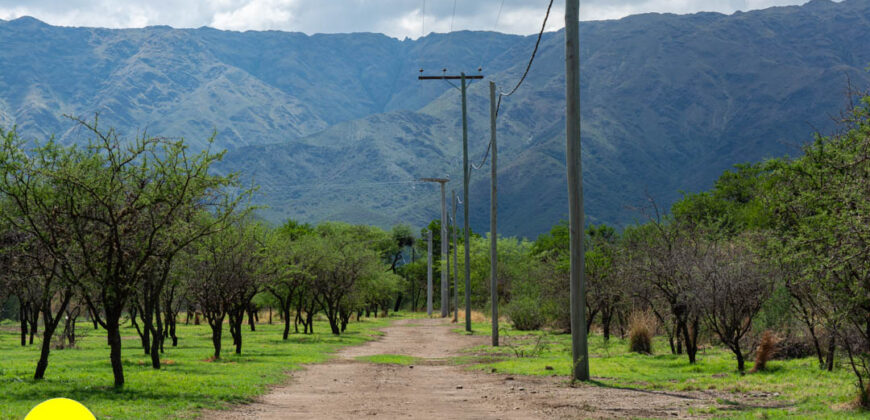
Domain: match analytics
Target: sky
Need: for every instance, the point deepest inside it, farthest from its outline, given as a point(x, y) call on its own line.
point(397, 18)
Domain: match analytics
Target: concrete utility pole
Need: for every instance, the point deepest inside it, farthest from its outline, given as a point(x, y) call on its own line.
point(445, 292)
point(465, 174)
point(455, 266)
point(429, 276)
point(580, 351)
point(493, 209)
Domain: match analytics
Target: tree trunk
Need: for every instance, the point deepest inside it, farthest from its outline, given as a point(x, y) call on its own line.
point(33, 320)
point(217, 329)
point(42, 364)
point(145, 332)
point(333, 323)
point(398, 304)
point(691, 339)
point(296, 320)
point(817, 346)
point(238, 339)
point(251, 315)
point(93, 318)
point(69, 329)
point(22, 315)
point(740, 361)
point(606, 318)
point(832, 349)
point(287, 323)
point(113, 332)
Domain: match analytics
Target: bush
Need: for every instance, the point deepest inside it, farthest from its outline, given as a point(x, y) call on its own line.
point(794, 346)
point(525, 314)
point(641, 329)
point(765, 351)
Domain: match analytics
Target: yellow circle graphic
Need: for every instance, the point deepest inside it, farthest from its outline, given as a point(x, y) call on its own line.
point(60, 409)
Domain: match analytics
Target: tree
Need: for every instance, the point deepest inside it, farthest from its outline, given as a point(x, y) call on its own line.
point(285, 274)
point(663, 257)
point(736, 283)
point(107, 211)
point(225, 276)
point(605, 291)
point(33, 274)
point(340, 257)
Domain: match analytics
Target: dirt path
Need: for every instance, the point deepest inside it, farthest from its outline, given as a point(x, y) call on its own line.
point(346, 388)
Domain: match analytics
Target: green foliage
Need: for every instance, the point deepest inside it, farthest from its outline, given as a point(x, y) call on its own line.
point(525, 313)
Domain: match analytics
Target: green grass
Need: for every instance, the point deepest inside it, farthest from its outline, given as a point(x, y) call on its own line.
point(389, 359)
point(793, 388)
point(186, 383)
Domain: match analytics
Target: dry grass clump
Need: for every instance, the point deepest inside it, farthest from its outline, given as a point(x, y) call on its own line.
point(641, 329)
point(765, 352)
point(476, 316)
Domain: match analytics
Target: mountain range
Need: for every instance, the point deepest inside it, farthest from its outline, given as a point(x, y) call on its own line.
point(337, 126)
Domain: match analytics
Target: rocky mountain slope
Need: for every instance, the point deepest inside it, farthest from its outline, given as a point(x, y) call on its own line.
point(337, 126)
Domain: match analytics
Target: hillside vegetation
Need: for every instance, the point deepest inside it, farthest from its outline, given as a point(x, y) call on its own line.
point(321, 121)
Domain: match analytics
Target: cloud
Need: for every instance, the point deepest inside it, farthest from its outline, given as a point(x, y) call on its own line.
point(399, 18)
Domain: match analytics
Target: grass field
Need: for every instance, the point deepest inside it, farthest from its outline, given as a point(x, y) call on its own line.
point(187, 381)
point(789, 389)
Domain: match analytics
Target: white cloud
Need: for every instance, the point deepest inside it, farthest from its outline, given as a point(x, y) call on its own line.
point(257, 15)
point(397, 18)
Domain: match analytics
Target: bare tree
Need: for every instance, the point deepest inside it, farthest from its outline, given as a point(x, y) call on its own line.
point(735, 284)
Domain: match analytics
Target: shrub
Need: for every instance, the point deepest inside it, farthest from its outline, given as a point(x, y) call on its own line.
point(641, 329)
point(525, 314)
point(765, 351)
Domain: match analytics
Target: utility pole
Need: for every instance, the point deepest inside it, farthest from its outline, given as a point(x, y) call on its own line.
point(447, 268)
point(580, 351)
point(445, 292)
point(455, 266)
point(465, 174)
point(493, 236)
point(429, 276)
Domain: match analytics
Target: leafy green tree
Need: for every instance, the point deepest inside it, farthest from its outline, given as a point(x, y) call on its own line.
point(340, 258)
point(107, 211)
point(821, 204)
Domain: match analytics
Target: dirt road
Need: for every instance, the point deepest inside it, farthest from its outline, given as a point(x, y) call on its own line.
point(345, 387)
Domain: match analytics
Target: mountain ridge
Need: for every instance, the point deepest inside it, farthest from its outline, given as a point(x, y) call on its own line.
point(669, 101)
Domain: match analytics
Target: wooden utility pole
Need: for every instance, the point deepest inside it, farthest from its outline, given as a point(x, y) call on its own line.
point(465, 174)
point(455, 266)
point(429, 276)
point(445, 292)
point(493, 236)
point(580, 351)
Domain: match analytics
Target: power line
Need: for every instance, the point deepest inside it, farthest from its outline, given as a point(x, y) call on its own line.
point(453, 16)
point(498, 16)
point(523, 78)
point(338, 185)
point(531, 60)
